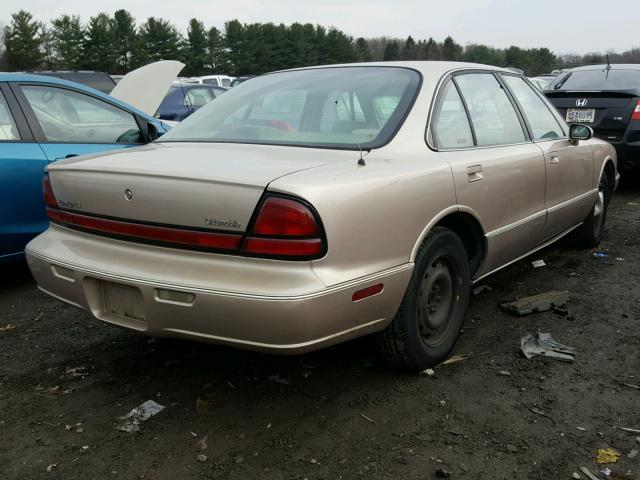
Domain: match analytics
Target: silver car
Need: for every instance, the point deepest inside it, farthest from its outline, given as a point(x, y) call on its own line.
point(312, 206)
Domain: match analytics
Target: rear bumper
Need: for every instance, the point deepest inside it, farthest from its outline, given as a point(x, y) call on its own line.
point(256, 304)
point(628, 155)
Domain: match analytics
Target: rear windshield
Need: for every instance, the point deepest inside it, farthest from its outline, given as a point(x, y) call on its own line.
point(598, 80)
point(344, 107)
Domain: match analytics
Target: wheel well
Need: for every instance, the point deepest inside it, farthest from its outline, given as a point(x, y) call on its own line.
point(611, 175)
point(471, 234)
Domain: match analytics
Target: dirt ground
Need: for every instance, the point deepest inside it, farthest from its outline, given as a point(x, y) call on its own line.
point(65, 378)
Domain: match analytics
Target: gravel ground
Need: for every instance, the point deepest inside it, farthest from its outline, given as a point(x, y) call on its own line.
point(65, 378)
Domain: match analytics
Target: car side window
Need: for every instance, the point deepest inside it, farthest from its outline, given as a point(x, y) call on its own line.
point(493, 116)
point(451, 127)
point(198, 97)
point(8, 129)
point(543, 124)
point(73, 117)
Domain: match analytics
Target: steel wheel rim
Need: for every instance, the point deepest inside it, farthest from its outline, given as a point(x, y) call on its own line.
point(436, 299)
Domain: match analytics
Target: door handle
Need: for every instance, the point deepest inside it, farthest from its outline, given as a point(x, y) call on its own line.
point(474, 173)
point(555, 158)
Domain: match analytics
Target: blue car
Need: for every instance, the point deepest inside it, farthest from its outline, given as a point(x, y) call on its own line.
point(184, 99)
point(46, 119)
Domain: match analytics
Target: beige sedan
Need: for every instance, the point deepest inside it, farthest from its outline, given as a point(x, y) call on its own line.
point(308, 207)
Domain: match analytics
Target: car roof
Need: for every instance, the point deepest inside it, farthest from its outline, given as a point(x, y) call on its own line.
point(26, 77)
point(425, 67)
point(614, 66)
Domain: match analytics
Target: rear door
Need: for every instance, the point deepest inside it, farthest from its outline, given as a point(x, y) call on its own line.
point(569, 165)
point(68, 122)
point(22, 164)
point(498, 172)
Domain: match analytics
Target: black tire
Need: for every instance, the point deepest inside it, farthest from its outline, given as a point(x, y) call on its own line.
point(589, 234)
point(432, 311)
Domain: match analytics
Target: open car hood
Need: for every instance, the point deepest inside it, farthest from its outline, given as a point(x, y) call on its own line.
point(146, 87)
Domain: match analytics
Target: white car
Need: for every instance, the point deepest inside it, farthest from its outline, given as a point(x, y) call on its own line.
point(215, 80)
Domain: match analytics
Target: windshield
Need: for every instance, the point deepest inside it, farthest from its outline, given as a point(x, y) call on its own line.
point(600, 79)
point(343, 107)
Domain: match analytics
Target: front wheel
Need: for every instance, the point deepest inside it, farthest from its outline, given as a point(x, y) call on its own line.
point(589, 234)
point(432, 311)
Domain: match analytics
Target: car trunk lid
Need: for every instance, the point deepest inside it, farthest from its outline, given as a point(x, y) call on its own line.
point(194, 185)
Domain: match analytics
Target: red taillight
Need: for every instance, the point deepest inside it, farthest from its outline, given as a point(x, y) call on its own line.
point(49, 197)
point(286, 228)
point(636, 112)
point(285, 217)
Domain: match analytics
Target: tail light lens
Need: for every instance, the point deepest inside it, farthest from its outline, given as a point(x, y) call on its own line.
point(285, 228)
point(49, 197)
point(636, 112)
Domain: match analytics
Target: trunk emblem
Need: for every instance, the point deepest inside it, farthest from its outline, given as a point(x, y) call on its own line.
point(128, 194)
point(581, 102)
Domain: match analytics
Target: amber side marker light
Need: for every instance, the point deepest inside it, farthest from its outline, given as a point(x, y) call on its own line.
point(367, 292)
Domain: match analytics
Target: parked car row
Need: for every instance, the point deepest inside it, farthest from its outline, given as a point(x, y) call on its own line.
point(262, 220)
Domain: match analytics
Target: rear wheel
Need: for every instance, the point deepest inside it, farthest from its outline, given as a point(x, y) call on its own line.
point(589, 234)
point(432, 312)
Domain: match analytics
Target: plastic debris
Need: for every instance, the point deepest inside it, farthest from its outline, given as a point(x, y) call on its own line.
point(51, 467)
point(543, 345)
point(537, 303)
point(633, 453)
point(504, 373)
point(600, 255)
point(202, 457)
point(428, 372)
point(607, 455)
point(538, 263)
point(576, 476)
point(589, 475)
point(9, 326)
point(606, 472)
point(143, 412)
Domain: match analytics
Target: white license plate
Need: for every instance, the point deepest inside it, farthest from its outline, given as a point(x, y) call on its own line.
point(581, 115)
point(123, 301)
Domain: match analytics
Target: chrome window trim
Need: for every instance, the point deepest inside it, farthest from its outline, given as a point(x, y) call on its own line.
point(429, 137)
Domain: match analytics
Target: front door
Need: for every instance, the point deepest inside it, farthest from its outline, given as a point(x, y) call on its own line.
point(22, 164)
point(569, 167)
point(69, 122)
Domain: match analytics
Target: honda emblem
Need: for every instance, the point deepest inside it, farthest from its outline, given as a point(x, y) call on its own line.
point(581, 102)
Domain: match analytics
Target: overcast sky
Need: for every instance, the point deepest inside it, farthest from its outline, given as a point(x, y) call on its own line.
point(563, 26)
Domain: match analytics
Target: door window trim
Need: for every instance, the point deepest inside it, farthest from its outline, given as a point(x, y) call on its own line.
point(436, 98)
point(19, 118)
point(521, 110)
point(38, 133)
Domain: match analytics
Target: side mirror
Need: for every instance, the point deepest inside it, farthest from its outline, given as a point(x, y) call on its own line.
point(153, 132)
point(577, 131)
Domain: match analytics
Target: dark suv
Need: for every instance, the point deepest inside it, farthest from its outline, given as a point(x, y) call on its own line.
point(607, 98)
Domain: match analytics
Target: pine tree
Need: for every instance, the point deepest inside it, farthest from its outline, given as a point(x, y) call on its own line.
point(362, 50)
point(23, 42)
point(67, 37)
point(236, 54)
point(216, 60)
point(195, 48)
point(451, 50)
point(410, 49)
point(391, 51)
point(125, 38)
point(158, 39)
point(100, 44)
